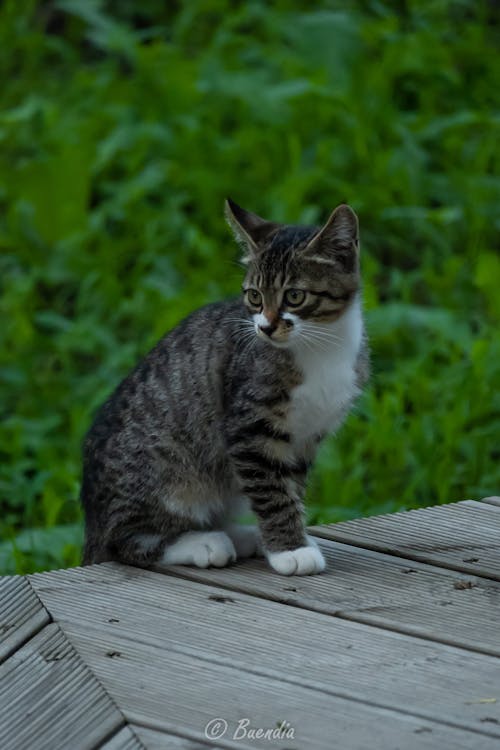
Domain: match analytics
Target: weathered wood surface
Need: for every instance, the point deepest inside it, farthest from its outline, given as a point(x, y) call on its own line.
point(50, 699)
point(21, 614)
point(461, 536)
point(303, 647)
point(172, 691)
point(492, 501)
point(125, 739)
point(381, 651)
point(154, 740)
point(136, 737)
point(380, 589)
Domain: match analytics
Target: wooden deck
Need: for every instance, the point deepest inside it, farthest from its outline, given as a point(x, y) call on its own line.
point(396, 646)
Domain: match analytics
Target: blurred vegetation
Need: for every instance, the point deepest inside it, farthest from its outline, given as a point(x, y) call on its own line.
point(124, 126)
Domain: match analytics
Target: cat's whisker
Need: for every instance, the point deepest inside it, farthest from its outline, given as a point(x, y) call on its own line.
point(309, 344)
point(245, 330)
point(244, 327)
point(325, 342)
point(248, 347)
point(311, 328)
point(326, 339)
point(244, 321)
point(314, 345)
point(321, 339)
point(318, 332)
point(249, 336)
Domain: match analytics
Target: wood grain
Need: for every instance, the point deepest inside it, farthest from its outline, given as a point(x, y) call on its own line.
point(21, 614)
point(379, 589)
point(303, 647)
point(178, 693)
point(126, 739)
point(493, 500)
point(49, 699)
point(460, 536)
point(155, 740)
point(395, 646)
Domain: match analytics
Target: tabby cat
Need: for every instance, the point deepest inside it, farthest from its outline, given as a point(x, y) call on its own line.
point(228, 410)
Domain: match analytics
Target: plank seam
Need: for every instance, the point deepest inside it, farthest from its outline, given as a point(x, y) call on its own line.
point(81, 664)
point(415, 634)
point(188, 735)
point(309, 685)
point(354, 542)
point(27, 578)
point(97, 679)
point(157, 726)
point(491, 502)
point(116, 731)
point(289, 602)
point(41, 625)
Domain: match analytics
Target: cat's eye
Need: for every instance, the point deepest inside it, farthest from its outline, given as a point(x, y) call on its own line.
point(254, 297)
point(294, 297)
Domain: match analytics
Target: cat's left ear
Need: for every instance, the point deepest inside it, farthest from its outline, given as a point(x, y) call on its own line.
point(249, 229)
point(338, 237)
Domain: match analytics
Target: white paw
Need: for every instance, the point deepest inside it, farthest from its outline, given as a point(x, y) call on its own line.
point(200, 548)
point(246, 540)
point(303, 561)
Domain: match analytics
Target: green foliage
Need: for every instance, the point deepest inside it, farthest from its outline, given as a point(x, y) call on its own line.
point(123, 127)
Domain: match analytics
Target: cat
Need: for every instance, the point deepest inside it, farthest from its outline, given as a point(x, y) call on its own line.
point(227, 411)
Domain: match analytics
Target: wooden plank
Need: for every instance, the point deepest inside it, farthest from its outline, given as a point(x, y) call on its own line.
point(49, 700)
point(334, 656)
point(154, 740)
point(494, 500)
point(461, 536)
point(378, 589)
point(21, 614)
point(181, 694)
point(125, 739)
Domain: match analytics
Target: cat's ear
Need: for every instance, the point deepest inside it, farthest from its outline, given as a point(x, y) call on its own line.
point(248, 228)
point(339, 237)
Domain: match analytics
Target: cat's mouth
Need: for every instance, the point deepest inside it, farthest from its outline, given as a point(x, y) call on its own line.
point(279, 343)
point(278, 331)
point(278, 338)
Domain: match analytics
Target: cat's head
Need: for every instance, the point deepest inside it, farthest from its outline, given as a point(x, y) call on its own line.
point(298, 279)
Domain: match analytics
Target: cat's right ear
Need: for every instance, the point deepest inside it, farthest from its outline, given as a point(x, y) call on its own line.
point(249, 229)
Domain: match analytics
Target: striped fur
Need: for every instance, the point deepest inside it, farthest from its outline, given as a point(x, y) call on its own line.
point(229, 408)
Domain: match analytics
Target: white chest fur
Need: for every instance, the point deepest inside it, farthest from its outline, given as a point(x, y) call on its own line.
point(327, 361)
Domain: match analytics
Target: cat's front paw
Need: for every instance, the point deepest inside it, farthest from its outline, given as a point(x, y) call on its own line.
point(201, 548)
point(303, 561)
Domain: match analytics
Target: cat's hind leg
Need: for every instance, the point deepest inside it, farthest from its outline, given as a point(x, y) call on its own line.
point(201, 542)
point(184, 528)
point(245, 537)
point(200, 548)
point(133, 547)
point(246, 540)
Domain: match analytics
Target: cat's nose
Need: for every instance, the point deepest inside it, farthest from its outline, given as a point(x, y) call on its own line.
point(268, 330)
